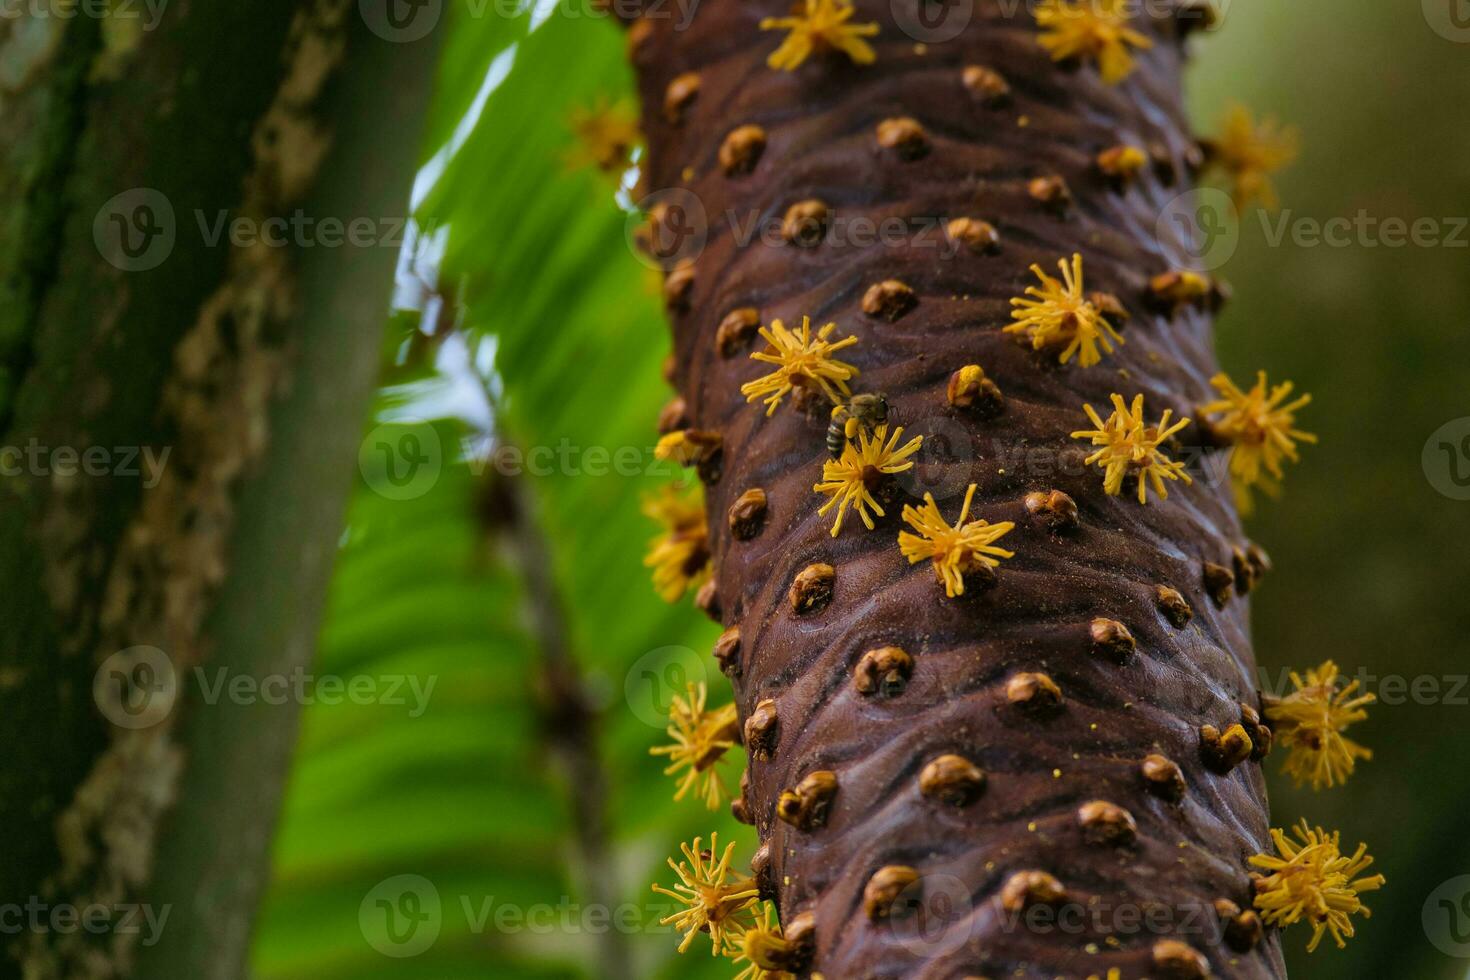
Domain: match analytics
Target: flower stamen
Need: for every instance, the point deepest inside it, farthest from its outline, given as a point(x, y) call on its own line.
point(701, 739)
point(817, 25)
point(801, 360)
point(713, 901)
point(1312, 880)
point(1261, 430)
point(851, 479)
point(1310, 721)
point(1096, 29)
point(964, 548)
point(1129, 445)
point(1061, 315)
point(680, 556)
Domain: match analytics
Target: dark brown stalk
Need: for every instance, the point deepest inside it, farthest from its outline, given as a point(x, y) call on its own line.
point(1094, 684)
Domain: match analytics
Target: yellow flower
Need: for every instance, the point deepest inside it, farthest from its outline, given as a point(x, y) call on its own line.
point(956, 551)
point(1248, 154)
point(818, 24)
point(1312, 880)
point(1260, 430)
point(1131, 446)
point(606, 135)
point(1096, 29)
point(680, 556)
point(801, 360)
point(761, 947)
point(701, 739)
point(1060, 314)
point(688, 447)
point(713, 901)
point(1310, 721)
point(850, 479)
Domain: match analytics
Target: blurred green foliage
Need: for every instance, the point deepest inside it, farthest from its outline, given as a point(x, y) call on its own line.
point(466, 796)
point(1369, 562)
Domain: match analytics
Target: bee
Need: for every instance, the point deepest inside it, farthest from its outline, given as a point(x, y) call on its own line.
point(862, 412)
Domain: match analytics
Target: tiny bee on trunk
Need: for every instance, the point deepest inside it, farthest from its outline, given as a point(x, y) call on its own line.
point(863, 412)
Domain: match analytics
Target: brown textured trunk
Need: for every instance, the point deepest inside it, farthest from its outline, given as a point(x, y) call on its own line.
point(1042, 767)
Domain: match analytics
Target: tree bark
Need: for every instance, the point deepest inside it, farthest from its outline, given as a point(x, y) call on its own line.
point(221, 384)
point(973, 689)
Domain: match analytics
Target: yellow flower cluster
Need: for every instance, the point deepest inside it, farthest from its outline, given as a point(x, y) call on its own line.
point(850, 479)
point(680, 555)
point(1059, 315)
point(801, 360)
point(1091, 29)
point(713, 900)
point(956, 550)
point(701, 739)
point(1260, 426)
point(818, 25)
point(1129, 445)
point(1311, 880)
point(1310, 721)
point(1247, 153)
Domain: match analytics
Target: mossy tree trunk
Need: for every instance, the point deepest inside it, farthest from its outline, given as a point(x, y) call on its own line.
point(186, 410)
point(1066, 698)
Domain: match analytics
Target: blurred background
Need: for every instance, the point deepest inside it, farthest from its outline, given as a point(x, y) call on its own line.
point(503, 811)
